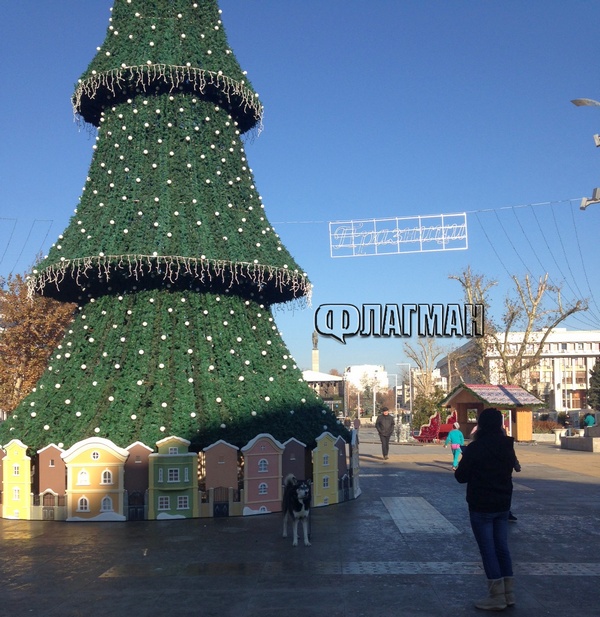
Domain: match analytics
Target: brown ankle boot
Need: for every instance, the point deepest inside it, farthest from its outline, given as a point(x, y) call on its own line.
point(496, 600)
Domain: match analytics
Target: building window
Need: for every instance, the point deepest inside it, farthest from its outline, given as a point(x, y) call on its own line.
point(173, 450)
point(16, 494)
point(107, 477)
point(263, 465)
point(83, 505)
point(325, 460)
point(164, 503)
point(183, 502)
point(51, 462)
point(325, 481)
point(138, 458)
point(16, 470)
point(95, 455)
point(173, 475)
point(160, 474)
point(83, 478)
point(186, 474)
point(106, 505)
point(263, 488)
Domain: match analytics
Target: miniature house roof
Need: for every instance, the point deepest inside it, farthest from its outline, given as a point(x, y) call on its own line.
point(94, 442)
point(496, 395)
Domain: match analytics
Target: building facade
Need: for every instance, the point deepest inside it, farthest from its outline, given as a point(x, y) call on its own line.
point(560, 378)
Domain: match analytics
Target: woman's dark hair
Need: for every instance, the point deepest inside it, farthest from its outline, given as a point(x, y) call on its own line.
point(489, 422)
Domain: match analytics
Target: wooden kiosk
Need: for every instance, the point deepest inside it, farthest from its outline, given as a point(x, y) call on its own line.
point(515, 403)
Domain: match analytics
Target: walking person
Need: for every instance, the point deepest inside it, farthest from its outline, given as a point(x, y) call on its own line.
point(385, 427)
point(456, 439)
point(486, 468)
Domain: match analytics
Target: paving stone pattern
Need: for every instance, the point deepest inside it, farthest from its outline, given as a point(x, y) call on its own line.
point(404, 547)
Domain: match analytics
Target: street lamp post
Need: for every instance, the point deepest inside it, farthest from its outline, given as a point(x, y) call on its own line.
point(410, 398)
point(585, 202)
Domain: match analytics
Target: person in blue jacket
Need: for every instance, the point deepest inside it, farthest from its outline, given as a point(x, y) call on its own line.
point(486, 468)
point(456, 439)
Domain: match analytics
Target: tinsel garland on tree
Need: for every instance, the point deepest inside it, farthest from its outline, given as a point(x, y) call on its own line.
point(169, 256)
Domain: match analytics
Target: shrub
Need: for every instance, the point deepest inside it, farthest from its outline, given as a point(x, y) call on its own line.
point(545, 426)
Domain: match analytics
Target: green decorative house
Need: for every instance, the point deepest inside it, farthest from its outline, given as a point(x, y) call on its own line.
point(170, 257)
point(173, 480)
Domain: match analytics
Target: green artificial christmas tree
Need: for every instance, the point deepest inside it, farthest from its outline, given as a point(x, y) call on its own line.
point(169, 256)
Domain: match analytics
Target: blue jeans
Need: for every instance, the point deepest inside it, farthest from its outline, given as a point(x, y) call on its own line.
point(491, 533)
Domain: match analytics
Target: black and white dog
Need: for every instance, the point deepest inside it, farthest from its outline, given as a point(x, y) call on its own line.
point(296, 506)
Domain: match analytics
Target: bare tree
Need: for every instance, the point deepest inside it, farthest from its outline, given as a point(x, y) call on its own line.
point(425, 355)
point(533, 310)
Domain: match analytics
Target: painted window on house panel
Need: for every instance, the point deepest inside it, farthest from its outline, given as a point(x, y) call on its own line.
point(263, 465)
point(173, 475)
point(263, 488)
point(107, 477)
point(325, 481)
point(106, 505)
point(183, 502)
point(164, 503)
point(83, 505)
point(83, 478)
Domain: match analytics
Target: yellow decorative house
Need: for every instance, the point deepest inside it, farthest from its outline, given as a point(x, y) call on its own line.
point(325, 470)
point(16, 481)
point(95, 480)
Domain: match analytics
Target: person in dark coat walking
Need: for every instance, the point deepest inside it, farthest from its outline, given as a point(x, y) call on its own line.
point(385, 427)
point(486, 468)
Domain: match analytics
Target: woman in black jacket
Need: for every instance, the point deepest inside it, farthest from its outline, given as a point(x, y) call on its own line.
point(486, 468)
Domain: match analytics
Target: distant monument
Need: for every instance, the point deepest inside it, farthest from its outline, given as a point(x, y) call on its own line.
point(315, 351)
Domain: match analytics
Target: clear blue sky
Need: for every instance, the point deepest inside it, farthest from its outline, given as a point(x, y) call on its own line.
point(372, 109)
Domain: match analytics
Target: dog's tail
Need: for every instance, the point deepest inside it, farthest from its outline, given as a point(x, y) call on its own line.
point(290, 480)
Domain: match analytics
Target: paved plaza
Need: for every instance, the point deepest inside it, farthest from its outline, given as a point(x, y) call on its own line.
point(404, 547)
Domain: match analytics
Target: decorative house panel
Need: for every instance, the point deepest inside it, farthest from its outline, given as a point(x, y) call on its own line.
point(262, 474)
point(296, 460)
point(221, 464)
point(325, 471)
point(173, 480)
point(51, 470)
point(95, 480)
point(16, 481)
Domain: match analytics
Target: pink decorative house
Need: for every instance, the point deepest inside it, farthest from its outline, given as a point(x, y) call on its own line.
point(136, 480)
point(50, 484)
point(296, 460)
point(221, 480)
point(263, 457)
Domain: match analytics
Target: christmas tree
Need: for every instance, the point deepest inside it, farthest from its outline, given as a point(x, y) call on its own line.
point(169, 257)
